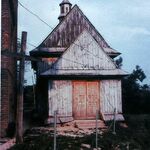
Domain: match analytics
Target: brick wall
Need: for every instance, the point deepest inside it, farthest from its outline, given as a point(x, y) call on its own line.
point(8, 64)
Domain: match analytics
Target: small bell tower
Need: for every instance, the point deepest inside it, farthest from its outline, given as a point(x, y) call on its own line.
point(65, 7)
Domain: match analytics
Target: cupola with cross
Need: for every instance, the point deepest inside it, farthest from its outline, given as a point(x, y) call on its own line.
point(65, 7)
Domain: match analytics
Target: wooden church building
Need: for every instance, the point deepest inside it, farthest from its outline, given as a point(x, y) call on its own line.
point(77, 75)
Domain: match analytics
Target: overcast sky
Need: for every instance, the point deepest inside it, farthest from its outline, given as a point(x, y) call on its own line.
point(124, 24)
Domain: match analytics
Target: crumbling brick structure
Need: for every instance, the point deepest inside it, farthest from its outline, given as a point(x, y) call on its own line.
point(8, 64)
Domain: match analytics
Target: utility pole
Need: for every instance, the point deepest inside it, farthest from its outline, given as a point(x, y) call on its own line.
point(33, 91)
point(19, 117)
point(114, 124)
point(55, 128)
point(96, 140)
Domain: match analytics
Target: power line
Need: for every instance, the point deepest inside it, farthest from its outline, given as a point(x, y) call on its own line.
point(85, 49)
point(82, 48)
point(28, 43)
point(34, 15)
point(52, 29)
point(73, 61)
point(31, 44)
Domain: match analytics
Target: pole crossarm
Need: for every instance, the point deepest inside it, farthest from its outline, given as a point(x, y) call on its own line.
point(19, 56)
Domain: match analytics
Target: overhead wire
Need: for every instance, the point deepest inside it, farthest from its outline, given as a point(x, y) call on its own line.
point(38, 17)
point(50, 27)
point(86, 50)
point(91, 52)
point(83, 48)
point(29, 43)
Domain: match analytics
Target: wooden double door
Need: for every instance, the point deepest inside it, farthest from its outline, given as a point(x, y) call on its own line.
point(86, 99)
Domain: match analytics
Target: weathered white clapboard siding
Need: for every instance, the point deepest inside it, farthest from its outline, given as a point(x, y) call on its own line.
point(60, 98)
point(85, 53)
point(110, 96)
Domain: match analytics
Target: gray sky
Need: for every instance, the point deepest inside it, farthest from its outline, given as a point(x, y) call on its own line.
point(124, 24)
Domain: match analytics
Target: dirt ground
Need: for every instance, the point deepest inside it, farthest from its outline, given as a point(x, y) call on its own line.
point(134, 135)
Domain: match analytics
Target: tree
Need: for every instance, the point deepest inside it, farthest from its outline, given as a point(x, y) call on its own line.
point(119, 62)
point(136, 97)
point(138, 74)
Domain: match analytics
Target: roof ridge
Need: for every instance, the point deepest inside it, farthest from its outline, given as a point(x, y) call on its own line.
point(99, 36)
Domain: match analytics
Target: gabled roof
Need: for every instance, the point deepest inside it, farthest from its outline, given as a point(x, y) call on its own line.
point(84, 57)
point(69, 29)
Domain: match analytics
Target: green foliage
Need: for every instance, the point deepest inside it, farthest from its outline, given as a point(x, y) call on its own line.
point(137, 75)
point(119, 62)
point(136, 97)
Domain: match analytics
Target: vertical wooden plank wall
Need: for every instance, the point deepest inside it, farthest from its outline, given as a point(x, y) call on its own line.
point(85, 53)
point(60, 98)
point(110, 96)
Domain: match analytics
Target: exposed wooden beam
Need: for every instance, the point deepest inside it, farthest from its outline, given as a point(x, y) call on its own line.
point(19, 56)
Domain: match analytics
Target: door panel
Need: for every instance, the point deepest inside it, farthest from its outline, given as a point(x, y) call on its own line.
point(79, 96)
point(92, 99)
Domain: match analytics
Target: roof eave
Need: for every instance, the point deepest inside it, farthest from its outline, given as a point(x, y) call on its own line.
point(114, 55)
point(45, 54)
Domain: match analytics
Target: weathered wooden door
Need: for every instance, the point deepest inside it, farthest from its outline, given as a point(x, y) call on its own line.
point(86, 99)
point(79, 100)
point(92, 102)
